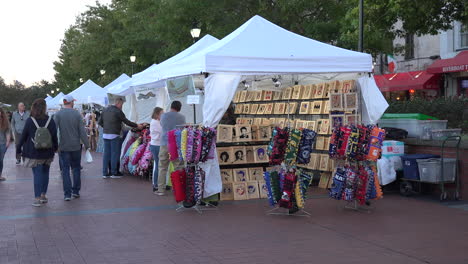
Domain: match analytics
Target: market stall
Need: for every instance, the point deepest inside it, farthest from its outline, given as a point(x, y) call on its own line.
point(54, 103)
point(89, 93)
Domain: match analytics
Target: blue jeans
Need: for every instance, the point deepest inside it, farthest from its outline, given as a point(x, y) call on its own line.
point(41, 179)
point(111, 154)
point(3, 150)
point(71, 159)
point(155, 152)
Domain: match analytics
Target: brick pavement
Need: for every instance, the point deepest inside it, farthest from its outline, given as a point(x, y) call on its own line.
point(121, 221)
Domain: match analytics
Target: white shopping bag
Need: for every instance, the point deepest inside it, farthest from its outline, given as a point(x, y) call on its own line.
point(89, 158)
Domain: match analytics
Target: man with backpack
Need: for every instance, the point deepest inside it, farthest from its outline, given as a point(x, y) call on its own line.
point(71, 134)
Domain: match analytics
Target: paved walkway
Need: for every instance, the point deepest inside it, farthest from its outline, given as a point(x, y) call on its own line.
point(121, 221)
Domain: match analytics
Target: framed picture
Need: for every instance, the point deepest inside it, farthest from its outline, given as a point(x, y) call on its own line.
point(253, 109)
point(257, 121)
point(287, 93)
point(291, 108)
point(260, 154)
point(246, 109)
point(240, 191)
point(239, 155)
point(254, 132)
point(281, 122)
point(310, 125)
point(264, 133)
point(243, 133)
point(336, 121)
point(267, 95)
point(257, 96)
point(316, 107)
point(311, 164)
point(241, 175)
point(304, 109)
point(326, 143)
point(225, 156)
point(326, 89)
point(313, 91)
point(277, 96)
point(347, 86)
point(279, 108)
point(249, 154)
point(319, 91)
point(324, 162)
point(238, 109)
point(324, 179)
point(256, 174)
point(243, 96)
point(227, 193)
point(224, 133)
point(326, 107)
point(250, 96)
point(269, 109)
point(306, 93)
point(263, 189)
point(336, 102)
point(300, 124)
point(350, 101)
point(297, 92)
point(352, 120)
point(261, 109)
point(227, 175)
point(236, 97)
point(320, 143)
point(335, 87)
point(323, 126)
point(238, 120)
point(266, 122)
point(273, 122)
point(252, 190)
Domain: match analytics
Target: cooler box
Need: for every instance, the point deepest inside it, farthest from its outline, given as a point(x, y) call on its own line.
point(414, 127)
point(391, 148)
point(408, 116)
point(410, 165)
point(430, 170)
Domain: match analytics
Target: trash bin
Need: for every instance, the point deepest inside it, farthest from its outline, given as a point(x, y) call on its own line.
point(430, 171)
point(410, 165)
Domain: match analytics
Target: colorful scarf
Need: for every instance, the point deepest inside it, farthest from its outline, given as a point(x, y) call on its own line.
point(190, 187)
point(146, 159)
point(361, 185)
point(178, 179)
point(172, 145)
point(270, 196)
point(279, 146)
point(183, 145)
point(353, 141)
point(199, 183)
point(377, 135)
point(333, 147)
point(209, 136)
point(292, 147)
point(287, 194)
point(343, 142)
point(363, 141)
point(350, 189)
point(275, 185)
point(189, 150)
point(178, 137)
point(305, 146)
point(338, 186)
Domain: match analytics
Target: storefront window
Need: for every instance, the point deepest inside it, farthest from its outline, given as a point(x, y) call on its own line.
point(464, 87)
point(409, 46)
point(464, 37)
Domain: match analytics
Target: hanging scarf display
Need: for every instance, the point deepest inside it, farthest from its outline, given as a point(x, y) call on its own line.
point(172, 145)
point(208, 138)
point(199, 181)
point(287, 193)
point(305, 146)
point(138, 154)
point(338, 185)
point(352, 146)
point(178, 138)
point(275, 185)
point(378, 189)
point(377, 135)
point(178, 179)
point(197, 145)
point(183, 145)
point(362, 185)
point(146, 159)
point(350, 188)
point(292, 147)
point(189, 200)
point(270, 196)
point(274, 132)
point(279, 143)
point(363, 142)
point(333, 147)
point(343, 142)
point(189, 150)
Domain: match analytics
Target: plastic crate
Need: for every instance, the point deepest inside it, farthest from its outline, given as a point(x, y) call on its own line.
point(409, 116)
point(430, 170)
point(410, 165)
point(414, 127)
point(442, 134)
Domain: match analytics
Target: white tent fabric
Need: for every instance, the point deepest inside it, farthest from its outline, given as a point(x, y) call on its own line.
point(56, 101)
point(259, 46)
point(374, 103)
point(48, 98)
point(89, 92)
point(115, 82)
point(149, 77)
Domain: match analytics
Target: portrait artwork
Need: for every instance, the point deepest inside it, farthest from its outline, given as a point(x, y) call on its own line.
point(300, 124)
point(287, 93)
point(320, 143)
point(297, 92)
point(336, 102)
point(352, 119)
point(347, 86)
point(227, 193)
point(326, 107)
point(256, 174)
point(261, 109)
point(264, 133)
point(258, 96)
point(252, 190)
point(350, 102)
point(316, 107)
point(263, 189)
point(249, 154)
point(304, 109)
point(240, 191)
point(260, 155)
point(291, 108)
point(319, 91)
point(241, 175)
point(269, 109)
point(323, 126)
point(267, 95)
point(253, 109)
point(224, 133)
point(310, 125)
point(306, 93)
point(227, 175)
point(279, 108)
point(246, 109)
point(238, 109)
point(236, 97)
point(336, 121)
point(257, 121)
point(239, 155)
point(243, 96)
point(277, 96)
point(243, 133)
point(225, 156)
point(324, 162)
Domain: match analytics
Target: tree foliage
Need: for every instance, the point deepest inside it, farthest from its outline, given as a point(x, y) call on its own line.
point(104, 37)
point(17, 92)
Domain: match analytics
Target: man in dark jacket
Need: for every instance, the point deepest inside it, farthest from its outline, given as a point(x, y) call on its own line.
point(18, 120)
point(111, 120)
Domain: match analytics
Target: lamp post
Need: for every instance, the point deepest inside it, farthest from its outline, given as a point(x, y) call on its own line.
point(103, 72)
point(361, 26)
point(132, 60)
point(81, 80)
point(195, 32)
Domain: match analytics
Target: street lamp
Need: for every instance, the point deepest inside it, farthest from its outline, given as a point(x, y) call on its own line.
point(81, 80)
point(52, 92)
point(58, 89)
point(132, 60)
point(195, 31)
point(103, 72)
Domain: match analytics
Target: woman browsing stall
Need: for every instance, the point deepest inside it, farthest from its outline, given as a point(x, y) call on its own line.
point(155, 132)
point(5, 138)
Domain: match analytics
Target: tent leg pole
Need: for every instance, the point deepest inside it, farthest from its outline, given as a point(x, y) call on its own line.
point(194, 114)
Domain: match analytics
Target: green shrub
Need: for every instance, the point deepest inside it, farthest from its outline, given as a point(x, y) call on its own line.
point(445, 108)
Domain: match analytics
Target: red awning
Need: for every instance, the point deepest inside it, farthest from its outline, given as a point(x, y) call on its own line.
point(456, 64)
point(403, 81)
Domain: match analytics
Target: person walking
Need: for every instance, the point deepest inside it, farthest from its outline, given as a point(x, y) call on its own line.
point(156, 132)
point(111, 120)
point(37, 146)
point(169, 121)
point(72, 134)
point(18, 120)
point(5, 139)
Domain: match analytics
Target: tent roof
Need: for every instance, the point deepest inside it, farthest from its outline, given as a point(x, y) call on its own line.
point(149, 75)
point(56, 101)
point(89, 90)
point(48, 98)
point(259, 47)
point(123, 77)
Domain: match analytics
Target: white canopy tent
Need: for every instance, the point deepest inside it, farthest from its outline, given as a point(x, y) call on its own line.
point(88, 93)
point(262, 48)
point(48, 98)
point(122, 78)
point(55, 102)
point(141, 111)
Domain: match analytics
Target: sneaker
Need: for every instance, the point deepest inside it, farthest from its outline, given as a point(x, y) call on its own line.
point(18, 162)
point(37, 203)
point(160, 193)
point(67, 199)
point(117, 176)
point(43, 199)
point(76, 196)
point(106, 176)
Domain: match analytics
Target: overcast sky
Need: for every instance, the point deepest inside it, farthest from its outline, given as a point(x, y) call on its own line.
point(30, 34)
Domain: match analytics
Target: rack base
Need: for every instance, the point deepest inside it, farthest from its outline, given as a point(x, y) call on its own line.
point(198, 208)
point(286, 212)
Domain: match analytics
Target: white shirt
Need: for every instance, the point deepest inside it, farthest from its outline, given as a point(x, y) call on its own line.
point(155, 132)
